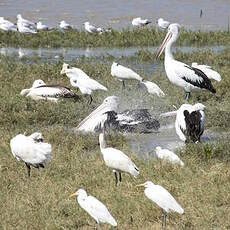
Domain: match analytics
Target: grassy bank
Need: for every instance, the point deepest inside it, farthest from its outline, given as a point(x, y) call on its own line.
point(41, 202)
point(124, 38)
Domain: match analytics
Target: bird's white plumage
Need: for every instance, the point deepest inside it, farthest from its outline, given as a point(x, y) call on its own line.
point(95, 208)
point(7, 25)
point(123, 73)
point(211, 74)
point(81, 80)
point(140, 22)
point(91, 28)
point(25, 26)
point(99, 116)
point(153, 88)
point(64, 25)
point(27, 149)
point(162, 197)
point(168, 155)
point(116, 159)
point(41, 26)
point(162, 24)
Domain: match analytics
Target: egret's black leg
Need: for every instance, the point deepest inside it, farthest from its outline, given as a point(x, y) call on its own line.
point(28, 169)
point(187, 95)
point(90, 99)
point(116, 179)
point(123, 85)
point(164, 215)
point(120, 176)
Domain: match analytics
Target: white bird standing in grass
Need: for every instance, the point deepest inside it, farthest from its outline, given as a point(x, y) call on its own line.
point(31, 150)
point(81, 80)
point(123, 73)
point(178, 73)
point(40, 26)
point(64, 25)
point(211, 74)
point(7, 25)
point(117, 160)
point(140, 22)
point(163, 199)
point(153, 88)
point(168, 155)
point(162, 24)
point(95, 208)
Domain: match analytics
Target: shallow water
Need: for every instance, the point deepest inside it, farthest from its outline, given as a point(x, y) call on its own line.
point(118, 14)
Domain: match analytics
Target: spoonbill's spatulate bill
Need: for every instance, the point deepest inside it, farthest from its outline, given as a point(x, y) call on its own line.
point(178, 73)
point(117, 160)
point(190, 120)
point(95, 208)
point(140, 22)
point(163, 199)
point(31, 150)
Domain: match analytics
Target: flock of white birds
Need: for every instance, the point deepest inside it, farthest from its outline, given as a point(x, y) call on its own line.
point(189, 122)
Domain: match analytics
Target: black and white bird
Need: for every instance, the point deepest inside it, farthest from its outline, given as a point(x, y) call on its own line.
point(41, 91)
point(41, 27)
point(92, 29)
point(187, 77)
point(190, 121)
point(139, 22)
point(162, 24)
point(7, 25)
point(26, 26)
point(31, 150)
point(64, 25)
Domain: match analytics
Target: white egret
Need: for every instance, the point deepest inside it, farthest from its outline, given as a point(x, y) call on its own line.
point(81, 80)
point(178, 73)
point(95, 208)
point(117, 160)
point(140, 22)
point(152, 88)
point(31, 150)
point(7, 25)
point(168, 155)
point(41, 91)
point(162, 24)
point(123, 73)
point(64, 25)
point(163, 199)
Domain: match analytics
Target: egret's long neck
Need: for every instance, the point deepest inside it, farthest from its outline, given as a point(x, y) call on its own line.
point(102, 141)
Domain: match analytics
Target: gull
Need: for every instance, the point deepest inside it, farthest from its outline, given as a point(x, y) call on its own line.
point(7, 25)
point(95, 208)
point(140, 22)
point(168, 155)
point(123, 73)
point(162, 24)
point(95, 120)
point(152, 88)
point(178, 73)
point(31, 150)
point(81, 80)
point(41, 26)
point(211, 74)
point(64, 25)
point(41, 91)
point(92, 29)
point(25, 22)
point(117, 160)
point(163, 199)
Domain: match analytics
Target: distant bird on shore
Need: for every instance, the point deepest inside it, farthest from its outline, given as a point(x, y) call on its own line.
point(163, 199)
point(165, 154)
point(25, 26)
point(123, 73)
point(7, 25)
point(140, 22)
point(41, 91)
point(25, 22)
point(201, 13)
point(152, 88)
point(162, 24)
point(178, 73)
point(117, 160)
point(64, 25)
point(95, 208)
point(92, 29)
point(40, 26)
point(31, 150)
point(81, 80)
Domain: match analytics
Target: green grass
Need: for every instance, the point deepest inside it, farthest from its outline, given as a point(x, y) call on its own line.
point(125, 38)
point(41, 202)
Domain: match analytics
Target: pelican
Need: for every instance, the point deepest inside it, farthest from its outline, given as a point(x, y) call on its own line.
point(7, 25)
point(153, 88)
point(31, 150)
point(95, 208)
point(168, 155)
point(117, 160)
point(92, 29)
point(190, 121)
point(211, 74)
point(162, 24)
point(95, 121)
point(81, 80)
point(41, 91)
point(140, 22)
point(178, 73)
point(163, 199)
point(64, 25)
point(123, 73)
point(40, 26)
